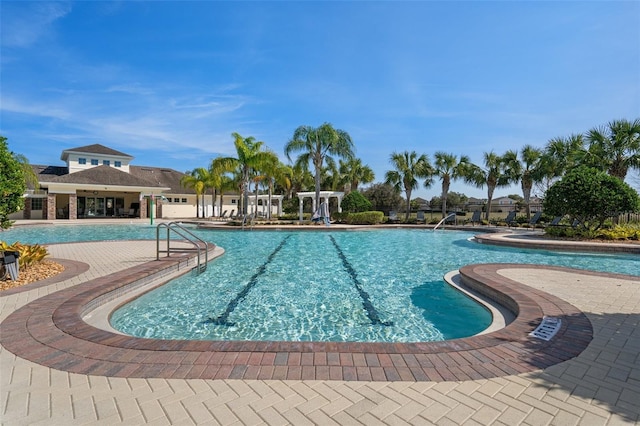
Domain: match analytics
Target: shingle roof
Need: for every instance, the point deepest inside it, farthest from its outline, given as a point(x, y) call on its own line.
point(94, 149)
point(102, 175)
point(162, 177)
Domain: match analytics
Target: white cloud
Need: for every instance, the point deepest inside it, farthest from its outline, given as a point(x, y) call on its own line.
point(24, 23)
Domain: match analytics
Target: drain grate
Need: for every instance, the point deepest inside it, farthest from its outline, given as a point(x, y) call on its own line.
point(547, 328)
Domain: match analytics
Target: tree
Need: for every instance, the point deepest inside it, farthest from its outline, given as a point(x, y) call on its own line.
point(531, 173)
point(560, 155)
point(353, 173)
point(12, 184)
point(499, 171)
point(355, 202)
point(590, 196)
point(408, 168)
point(317, 145)
point(250, 158)
point(448, 168)
point(383, 197)
point(196, 180)
point(616, 147)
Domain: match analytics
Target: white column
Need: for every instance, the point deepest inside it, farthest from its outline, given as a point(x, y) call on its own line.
point(339, 203)
point(300, 202)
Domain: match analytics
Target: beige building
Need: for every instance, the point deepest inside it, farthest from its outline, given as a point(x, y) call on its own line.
point(100, 182)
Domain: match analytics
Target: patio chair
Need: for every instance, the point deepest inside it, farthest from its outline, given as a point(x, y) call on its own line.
point(509, 220)
point(534, 220)
point(556, 221)
point(393, 216)
point(420, 217)
point(475, 218)
point(223, 215)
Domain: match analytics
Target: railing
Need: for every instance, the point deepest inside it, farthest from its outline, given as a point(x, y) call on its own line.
point(443, 220)
point(198, 244)
point(247, 218)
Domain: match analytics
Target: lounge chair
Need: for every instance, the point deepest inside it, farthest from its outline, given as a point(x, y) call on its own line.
point(475, 218)
point(534, 220)
point(509, 220)
point(393, 216)
point(556, 221)
point(420, 217)
point(223, 215)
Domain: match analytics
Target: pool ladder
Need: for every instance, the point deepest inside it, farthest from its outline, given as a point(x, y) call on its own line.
point(198, 244)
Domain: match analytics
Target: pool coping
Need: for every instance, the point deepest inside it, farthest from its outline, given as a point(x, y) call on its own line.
point(50, 331)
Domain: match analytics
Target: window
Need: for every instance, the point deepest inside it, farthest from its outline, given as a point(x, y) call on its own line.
point(117, 163)
point(106, 162)
point(233, 201)
point(94, 162)
point(184, 200)
point(82, 161)
point(36, 204)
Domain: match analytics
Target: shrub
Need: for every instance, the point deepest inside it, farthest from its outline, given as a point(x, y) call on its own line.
point(365, 218)
point(355, 202)
point(29, 254)
point(590, 196)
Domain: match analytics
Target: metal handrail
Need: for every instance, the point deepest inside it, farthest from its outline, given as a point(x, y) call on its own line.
point(443, 220)
point(189, 236)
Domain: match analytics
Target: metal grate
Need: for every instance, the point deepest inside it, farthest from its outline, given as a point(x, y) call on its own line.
point(547, 328)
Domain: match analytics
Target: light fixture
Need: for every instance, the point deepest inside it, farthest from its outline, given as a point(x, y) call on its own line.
point(95, 192)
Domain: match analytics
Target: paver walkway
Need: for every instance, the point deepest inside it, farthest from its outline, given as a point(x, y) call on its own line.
point(600, 386)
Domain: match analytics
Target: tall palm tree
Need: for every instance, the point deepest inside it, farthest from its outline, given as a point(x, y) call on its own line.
point(616, 147)
point(196, 180)
point(497, 172)
point(408, 168)
point(448, 168)
point(317, 145)
point(562, 154)
point(531, 173)
point(353, 173)
point(250, 157)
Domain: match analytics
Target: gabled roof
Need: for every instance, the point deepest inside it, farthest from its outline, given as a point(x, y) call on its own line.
point(102, 175)
point(93, 149)
point(162, 177)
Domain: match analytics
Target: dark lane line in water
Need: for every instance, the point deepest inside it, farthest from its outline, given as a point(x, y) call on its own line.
point(224, 318)
point(372, 312)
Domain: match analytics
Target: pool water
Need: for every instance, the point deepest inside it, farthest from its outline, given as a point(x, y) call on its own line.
point(369, 285)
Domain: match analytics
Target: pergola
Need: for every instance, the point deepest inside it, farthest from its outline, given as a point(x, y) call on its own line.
point(324, 196)
point(251, 208)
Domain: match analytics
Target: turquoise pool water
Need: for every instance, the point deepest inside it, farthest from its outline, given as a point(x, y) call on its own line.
point(370, 285)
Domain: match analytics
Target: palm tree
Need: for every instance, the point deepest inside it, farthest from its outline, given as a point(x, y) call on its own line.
point(250, 157)
point(317, 145)
point(196, 180)
point(498, 172)
point(448, 168)
point(353, 173)
point(531, 173)
point(562, 154)
point(409, 167)
point(616, 148)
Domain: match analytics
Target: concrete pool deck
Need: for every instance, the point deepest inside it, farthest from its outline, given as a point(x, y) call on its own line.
point(598, 386)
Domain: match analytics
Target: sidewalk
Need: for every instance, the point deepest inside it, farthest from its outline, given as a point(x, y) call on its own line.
point(600, 386)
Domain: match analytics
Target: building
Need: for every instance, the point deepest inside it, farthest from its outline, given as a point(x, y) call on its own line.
point(100, 182)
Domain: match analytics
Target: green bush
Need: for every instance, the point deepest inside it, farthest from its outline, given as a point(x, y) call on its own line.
point(365, 218)
point(355, 202)
point(29, 253)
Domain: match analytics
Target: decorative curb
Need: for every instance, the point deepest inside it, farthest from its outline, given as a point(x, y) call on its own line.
point(50, 331)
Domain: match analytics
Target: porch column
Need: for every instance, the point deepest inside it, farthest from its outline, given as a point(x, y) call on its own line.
point(49, 207)
point(73, 206)
point(143, 207)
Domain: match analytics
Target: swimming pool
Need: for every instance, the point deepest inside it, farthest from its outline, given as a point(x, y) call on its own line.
point(386, 285)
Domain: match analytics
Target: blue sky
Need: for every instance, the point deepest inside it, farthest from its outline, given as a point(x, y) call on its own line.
point(168, 82)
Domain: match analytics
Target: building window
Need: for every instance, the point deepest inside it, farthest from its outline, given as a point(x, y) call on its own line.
point(82, 161)
point(94, 162)
point(233, 201)
point(184, 200)
point(117, 163)
point(36, 204)
point(106, 162)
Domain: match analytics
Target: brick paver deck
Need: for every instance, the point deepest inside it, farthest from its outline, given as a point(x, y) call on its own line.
point(66, 372)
